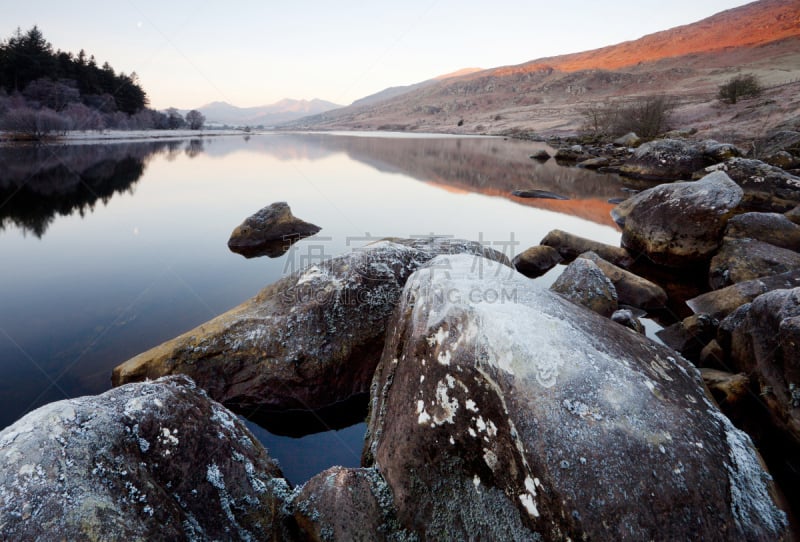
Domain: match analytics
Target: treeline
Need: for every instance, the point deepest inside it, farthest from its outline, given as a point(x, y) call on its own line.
point(43, 91)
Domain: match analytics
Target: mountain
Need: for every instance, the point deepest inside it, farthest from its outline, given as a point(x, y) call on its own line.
point(548, 95)
point(266, 115)
point(391, 92)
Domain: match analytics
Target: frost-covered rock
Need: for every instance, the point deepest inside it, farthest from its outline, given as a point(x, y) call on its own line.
point(500, 411)
point(766, 188)
point(269, 232)
point(681, 223)
point(631, 289)
point(308, 341)
point(150, 461)
point(347, 505)
point(740, 260)
point(583, 282)
point(665, 160)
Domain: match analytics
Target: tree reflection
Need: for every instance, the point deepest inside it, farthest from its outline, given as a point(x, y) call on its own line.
point(40, 182)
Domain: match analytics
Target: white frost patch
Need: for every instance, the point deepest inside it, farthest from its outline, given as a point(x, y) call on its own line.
point(472, 432)
point(439, 338)
point(530, 485)
point(751, 503)
point(424, 418)
point(452, 440)
point(490, 458)
point(471, 405)
point(311, 274)
point(444, 357)
point(529, 504)
point(476, 481)
point(448, 406)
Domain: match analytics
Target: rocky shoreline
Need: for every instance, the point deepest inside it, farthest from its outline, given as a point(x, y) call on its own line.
point(497, 409)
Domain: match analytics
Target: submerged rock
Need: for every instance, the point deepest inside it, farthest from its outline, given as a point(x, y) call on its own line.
point(532, 418)
point(150, 461)
point(541, 194)
point(681, 223)
point(308, 341)
point(541, 155)
point(269, 232)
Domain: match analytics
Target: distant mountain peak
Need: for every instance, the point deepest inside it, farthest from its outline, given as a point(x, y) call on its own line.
point(287, 109)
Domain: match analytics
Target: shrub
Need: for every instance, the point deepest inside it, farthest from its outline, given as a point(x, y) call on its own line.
point(647, 116)
point(741, 86)
point(32, 124)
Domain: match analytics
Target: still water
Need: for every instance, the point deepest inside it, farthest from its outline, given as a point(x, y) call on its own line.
point(110, 249)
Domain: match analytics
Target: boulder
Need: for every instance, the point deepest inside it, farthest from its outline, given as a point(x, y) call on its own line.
point(716, 152)
point(595, 163)
point(729, 390)
point(269, 232)
point(665, 160)
point(347, 504)
point(533, 419)
point(783, 140)
point(308, 341)
point(690, 335)
point(740, 260)
point(773, 228)
point(572, 154)
point(631, 289)
point(720, 303)
point(571, 246)
point(541, 155)
point(628, 140)
point(793, 214)
point(537, 260)
point(625, 317)
point(681, 223)
point(149, 461)
point(783, 160)
point(766, 188)
point(583, 282)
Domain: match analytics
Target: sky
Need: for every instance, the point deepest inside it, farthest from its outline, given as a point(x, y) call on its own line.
point(251, 53)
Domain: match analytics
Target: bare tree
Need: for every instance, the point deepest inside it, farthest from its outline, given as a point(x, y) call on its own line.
point(195, 119)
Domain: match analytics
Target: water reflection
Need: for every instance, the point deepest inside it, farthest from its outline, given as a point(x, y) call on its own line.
point(40, 182)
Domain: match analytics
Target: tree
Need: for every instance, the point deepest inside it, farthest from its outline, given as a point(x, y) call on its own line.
point(741, 86)
point(174, 119)
point(28, 123)
point(195, 119)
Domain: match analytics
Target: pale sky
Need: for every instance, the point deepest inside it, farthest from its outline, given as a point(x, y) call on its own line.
point(252, 52)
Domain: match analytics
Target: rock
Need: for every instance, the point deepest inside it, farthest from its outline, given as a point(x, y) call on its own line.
point(543, 194)
point(628, 140)
point(625, 317)
point(681, 223)
point(764, 337)
point(793, 214)
point(537, 260)
point(533, 419)
point(690, 335)
point(541, 155)
point(717, 152)
point(712, 356)
point(347, 504)
point(631, 289)
point(720, 303)
point(624, 207)
point(571, 154)
point(595, 163)
point(150, 461)
point(772, 228)
point(766, 188)
point(729, 390)
point(583, 282)
point(571, 246)
point(665, 160)
point(783, 160)
point(308, 341)
point(784, 140)
point(269, 232)
point(739, 260)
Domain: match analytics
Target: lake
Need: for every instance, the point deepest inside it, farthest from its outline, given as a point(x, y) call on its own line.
point(112, 248)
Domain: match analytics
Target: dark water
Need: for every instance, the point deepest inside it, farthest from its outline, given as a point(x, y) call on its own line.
point(110, 249)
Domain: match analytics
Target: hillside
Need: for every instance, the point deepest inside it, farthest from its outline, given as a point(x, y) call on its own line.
point(266, 115)
point(548, 94)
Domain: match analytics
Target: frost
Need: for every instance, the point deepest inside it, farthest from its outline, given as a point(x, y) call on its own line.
point(529, 504)
point(448, 406)
point(214, 476)
point(470, 404)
